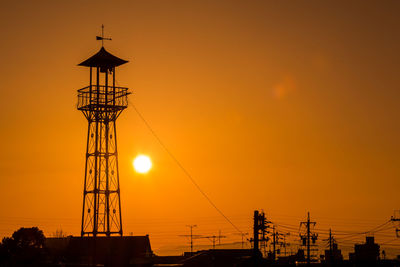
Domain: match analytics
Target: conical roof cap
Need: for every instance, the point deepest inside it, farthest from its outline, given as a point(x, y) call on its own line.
point(103, 59)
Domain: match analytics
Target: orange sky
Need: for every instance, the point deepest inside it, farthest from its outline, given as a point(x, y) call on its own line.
point(283, 106)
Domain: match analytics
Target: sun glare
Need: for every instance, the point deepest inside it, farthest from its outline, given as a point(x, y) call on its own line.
point(142, 164)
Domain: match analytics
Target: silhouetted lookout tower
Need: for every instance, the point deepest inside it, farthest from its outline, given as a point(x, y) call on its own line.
point(102, 102)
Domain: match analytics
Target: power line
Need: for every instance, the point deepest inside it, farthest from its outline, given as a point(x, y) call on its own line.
point(373, 230)
point(183, 169)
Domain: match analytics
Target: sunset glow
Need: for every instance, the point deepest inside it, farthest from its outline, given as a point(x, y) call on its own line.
point(283, 106)
point(142, 164)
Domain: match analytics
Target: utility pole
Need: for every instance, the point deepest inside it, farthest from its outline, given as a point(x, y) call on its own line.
point(256, 230)
point(284, 244)
point(274, 242)
point(332, 246)
point(260, 227)
point(395, 218)
point(277, 240)
point(330, 241)
point(308, 236)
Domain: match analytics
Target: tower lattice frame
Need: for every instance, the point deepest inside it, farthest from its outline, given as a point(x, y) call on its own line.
point(101, 103)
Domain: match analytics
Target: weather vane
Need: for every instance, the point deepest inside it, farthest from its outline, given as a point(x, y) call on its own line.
point(102, 38)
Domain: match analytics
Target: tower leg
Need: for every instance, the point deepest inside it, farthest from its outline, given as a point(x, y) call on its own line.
point(101, 212)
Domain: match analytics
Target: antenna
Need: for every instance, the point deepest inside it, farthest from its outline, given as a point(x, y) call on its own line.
point(214, 238)
point(192, 236)
point(102, 38)
point(243, 236)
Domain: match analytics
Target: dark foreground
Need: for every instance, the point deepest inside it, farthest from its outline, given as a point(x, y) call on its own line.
point(135, 251)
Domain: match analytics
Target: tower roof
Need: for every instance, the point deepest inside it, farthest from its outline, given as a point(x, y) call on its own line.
point(103, 59)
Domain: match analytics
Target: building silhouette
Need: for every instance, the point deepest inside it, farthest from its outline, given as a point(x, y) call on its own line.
point(334, 255)
point(368, 252)
point(113, 251)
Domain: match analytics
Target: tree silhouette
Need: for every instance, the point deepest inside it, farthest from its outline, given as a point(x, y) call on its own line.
point(25, 247)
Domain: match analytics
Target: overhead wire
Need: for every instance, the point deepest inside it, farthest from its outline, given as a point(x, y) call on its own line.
point(185, 171)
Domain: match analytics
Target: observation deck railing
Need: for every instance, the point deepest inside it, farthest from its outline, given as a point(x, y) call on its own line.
point(95, 98)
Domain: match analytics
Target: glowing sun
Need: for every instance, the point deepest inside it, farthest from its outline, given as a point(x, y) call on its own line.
point(142, 164)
